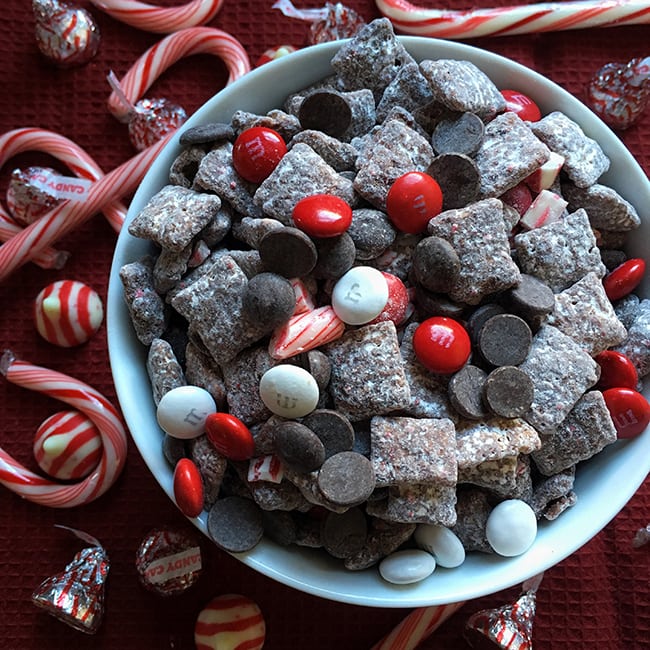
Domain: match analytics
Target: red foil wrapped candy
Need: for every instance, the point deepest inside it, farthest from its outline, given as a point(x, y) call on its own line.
point(76, 595)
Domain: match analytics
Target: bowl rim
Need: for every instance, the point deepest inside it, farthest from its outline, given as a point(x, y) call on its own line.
point(311, 571)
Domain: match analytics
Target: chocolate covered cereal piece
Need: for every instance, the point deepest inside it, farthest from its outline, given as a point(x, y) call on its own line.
point(463, 87)
point(285, 124)
point(637, 344)
point(340, 156)
point(587, 430)
point(498, 476)
point(584, 312)
point(372, 233)
point(472, 511)
point(561, 372)
point(584, 160)
point(508, 154)
point(173, 216)
point(202, 371)
point(367, 372)
point(300, 173)
point(185, 166)
point(165, 373)
point(250, 231)
point(554, 494)
point(211, 465)
point(170, 267)
point(383, 538)
point(413, 450)
point(560, 253)
point(430, 503)
point(146, 307)
point(478, 234)
point(409, 89)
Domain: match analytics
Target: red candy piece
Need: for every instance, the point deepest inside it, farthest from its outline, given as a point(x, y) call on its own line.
point(188, 488)
point(616, 370)
point(518, 197)
point(442, 344)
point(398, 301)
point(257, 152)
point(630, 411)
point(322, 215)
point(230, 436)
point(522, 105)
point(624, 278)
point(413, 199)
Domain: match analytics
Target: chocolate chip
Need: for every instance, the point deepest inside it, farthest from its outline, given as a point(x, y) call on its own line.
point(173, 449)
point(347, 478)
point(531, 298)
point(344, 534)
point(436, 264)
point(335, 256)
point(279, 526)
point(333, 428)
point(326, 111)
point(235, 524)
point(504, 340)
point(437, 304)
point(288, 252)
point(462, 134)
point(465, 391)
point(206, 133)
point(269, 298)
point(508, 392)
point(479, 317)
point(459, 179)
point(298, 446)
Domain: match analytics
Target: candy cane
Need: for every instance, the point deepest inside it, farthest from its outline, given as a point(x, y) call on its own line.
point(160, 20)
point(524, 19)
point(68, 215)
point(416, 627)
point(169, 50)
point(65, 150)
point(85, 399)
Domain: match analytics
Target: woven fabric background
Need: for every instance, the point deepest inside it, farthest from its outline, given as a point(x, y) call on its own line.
point(597, 598)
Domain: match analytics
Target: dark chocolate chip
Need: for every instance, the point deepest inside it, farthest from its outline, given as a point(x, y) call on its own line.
point(335, 256)
point(462, 134)
point(344, 534)
point(333, 428)
point(531, 298)
point(288, 252)
point(235, 524)
point(347, 478)
point(327, 111)
point(269, 298)
point(206, 133)
point(279, 526)
point(504, 340)
point(173, 449)
point(437, 304)
point(466, 392)
point(459, 179)
point(478, 318)
point(508, 392)
point(298, 446)
point(436, 264)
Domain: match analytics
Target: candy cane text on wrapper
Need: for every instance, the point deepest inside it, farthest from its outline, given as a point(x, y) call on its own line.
point(519, 19)
point(169, 50)
point(66, 216)
point(160, 20)
point(79, 396)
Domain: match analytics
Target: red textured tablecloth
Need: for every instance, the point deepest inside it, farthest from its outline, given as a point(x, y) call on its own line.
point(597, 598)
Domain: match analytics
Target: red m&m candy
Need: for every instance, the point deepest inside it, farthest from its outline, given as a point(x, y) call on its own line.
point(442, 344)
point(522, 105)
point(257, 152)
point(230, 436)
point(413, 199)
point(188, 488)
point(630, 411)
point(616, 370)
point(398, 301)
point(624, 278)
point(322, 215)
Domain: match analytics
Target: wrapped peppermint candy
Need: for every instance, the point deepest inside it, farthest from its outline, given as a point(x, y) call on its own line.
point(28, 195)
point(642, 537)
point(76, 595)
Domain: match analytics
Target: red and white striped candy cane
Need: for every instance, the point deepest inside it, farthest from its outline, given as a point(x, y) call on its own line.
point(169, 50)
point(416, 627)
point(68, 215)
point(518, 19)
point(83, 398)
point(160, 20)
point(68, 152)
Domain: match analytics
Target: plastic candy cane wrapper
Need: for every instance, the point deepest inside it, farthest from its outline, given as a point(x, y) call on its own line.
point(79, 396)
point(519, 19)
point(76, 595)
point(160, 20)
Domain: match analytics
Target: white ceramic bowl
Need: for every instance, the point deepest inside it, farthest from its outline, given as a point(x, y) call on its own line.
point(603, 485)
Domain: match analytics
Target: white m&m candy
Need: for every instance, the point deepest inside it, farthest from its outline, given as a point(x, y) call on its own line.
point(360, 295)
point(442, 543)
point(407, 566)
point(289, 391)
point(182, 411)
point(511, 527)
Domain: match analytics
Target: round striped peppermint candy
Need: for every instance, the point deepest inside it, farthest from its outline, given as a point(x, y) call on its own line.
point(67, 445)
point(68, 313)
point(230, 622)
